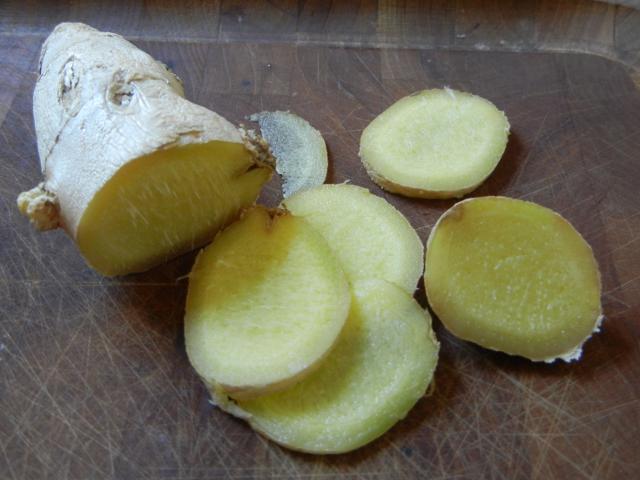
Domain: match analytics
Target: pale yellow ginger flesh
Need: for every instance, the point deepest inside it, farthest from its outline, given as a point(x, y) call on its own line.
point(515, 277)
point(368, 235)
point(167, 203)
point(381, 366)
point(299, 150)
point(266, 302)
point(434, 144)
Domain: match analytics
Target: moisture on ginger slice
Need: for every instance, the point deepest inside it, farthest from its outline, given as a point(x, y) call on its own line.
point(380, 367)
point(513, 276)
point(437, 143)
point(370, 238)
point(266, 302)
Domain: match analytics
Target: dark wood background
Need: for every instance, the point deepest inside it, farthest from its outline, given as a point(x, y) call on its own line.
point(94, 380)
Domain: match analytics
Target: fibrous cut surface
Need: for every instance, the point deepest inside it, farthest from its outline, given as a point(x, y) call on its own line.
point(380, 367)
point(299, 149)
point(167, 203)
point(368, 235)
point(434, 144)
point(513, 276)
point(267, 300)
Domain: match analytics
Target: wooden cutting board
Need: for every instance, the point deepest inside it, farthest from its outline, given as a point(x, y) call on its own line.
point(94, 380)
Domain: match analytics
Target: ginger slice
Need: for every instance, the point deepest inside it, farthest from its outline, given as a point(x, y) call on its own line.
point(299, 149)
point(380, 367)
point(515, 277)
point(266, 302)
point(370, 238)
point(434, 144)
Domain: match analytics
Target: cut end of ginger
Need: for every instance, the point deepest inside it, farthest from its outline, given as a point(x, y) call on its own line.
point(370, 238)
point(515, 277)
point(167, 203)
point(299, 150)
point(267, 301)
point(380, 367)
point(437, 143)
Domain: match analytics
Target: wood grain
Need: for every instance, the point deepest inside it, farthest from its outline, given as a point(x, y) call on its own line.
point(94, 380)
point(609, 29)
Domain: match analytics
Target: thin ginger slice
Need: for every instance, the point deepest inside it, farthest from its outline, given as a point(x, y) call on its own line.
point(381, 366)
point(266, 302)
point(299, 150)
point(370, 238)
point(515, 277)
point(167, 203)
point(434, 144)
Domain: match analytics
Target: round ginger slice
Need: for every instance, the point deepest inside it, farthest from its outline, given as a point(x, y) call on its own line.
point(515, 277)
point(370, 238)
point(266, 302)
point(437, 143)
point(378, 370)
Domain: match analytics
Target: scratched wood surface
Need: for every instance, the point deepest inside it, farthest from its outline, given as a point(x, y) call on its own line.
point(94, 380)
point(609, 28)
